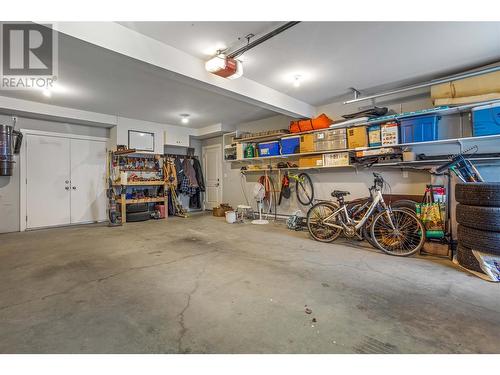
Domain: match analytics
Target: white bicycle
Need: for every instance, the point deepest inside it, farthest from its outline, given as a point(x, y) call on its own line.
point(394, 231)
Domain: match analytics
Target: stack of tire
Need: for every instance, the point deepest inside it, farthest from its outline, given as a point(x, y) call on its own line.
point(478, 217)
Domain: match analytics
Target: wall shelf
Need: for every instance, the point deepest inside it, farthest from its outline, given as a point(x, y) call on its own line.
point(424, 164)
point(442, 111)
point(143, 200)
point(151, 170)
point(141, 183)
point(414, 144)
point(295, 168)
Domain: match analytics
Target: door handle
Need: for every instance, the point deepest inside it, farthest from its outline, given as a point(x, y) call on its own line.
point(67, 181)
point(66, 188)
point(74, 187)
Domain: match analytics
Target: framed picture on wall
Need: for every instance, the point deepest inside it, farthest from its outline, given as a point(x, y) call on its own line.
point(141, 141)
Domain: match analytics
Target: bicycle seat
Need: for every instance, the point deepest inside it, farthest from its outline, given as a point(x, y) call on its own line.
point(339, 193)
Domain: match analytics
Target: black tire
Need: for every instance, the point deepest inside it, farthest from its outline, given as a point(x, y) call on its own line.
point(409, 238)
point(138, 216)
point(481, 240)
point(405, 203)
point(478, 193)
point(322, 233)
point(477, 217)
point(467, 260)
point(305, 190)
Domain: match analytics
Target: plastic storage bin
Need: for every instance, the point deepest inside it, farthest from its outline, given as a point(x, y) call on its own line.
point(269, 148)
point(419, 129)
point(290, 145)
point(486, 120)
point(338, 144)
point(330, 135)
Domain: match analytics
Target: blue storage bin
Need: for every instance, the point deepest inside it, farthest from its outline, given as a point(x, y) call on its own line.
point(419, 129)
point(290, 145)
point(269, 148)
point(486, 120)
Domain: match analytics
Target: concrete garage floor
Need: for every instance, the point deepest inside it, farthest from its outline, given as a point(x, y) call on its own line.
point(199, 285)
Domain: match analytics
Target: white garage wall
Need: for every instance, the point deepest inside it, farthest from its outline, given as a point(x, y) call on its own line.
point(9, 186)
point(126, 124)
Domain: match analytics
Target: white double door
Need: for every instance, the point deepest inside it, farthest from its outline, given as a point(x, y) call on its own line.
point(65, 181)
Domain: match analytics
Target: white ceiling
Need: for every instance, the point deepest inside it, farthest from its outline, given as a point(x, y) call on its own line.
point(330, 56)
point(333, 56)
point(95, 79)
point(201, 39)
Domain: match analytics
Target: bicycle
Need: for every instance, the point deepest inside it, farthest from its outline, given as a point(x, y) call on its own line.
point(394, 231)
point(304, 188)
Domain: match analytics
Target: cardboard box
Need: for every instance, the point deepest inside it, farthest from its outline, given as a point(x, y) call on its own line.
point(311, 161)
point(436, 248)
point(357, 137)
point(338, 159)
point(307, 143)
point(390, 134)
point(374, 136)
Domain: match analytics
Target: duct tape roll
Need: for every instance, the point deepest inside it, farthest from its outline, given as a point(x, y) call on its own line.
point(123, 178)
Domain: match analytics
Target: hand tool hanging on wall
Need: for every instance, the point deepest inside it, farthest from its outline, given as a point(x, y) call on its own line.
point(285, 188)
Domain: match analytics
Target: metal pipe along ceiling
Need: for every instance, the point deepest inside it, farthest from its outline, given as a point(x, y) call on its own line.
point(262, 39)
point(426, 84)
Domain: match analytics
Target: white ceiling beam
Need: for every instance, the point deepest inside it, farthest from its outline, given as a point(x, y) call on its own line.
point(125, 41)
point(29, 108)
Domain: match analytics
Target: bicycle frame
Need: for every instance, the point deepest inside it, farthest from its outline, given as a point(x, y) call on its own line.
point(377, 199)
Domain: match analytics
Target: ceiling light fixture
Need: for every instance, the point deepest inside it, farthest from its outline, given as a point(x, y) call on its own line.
point(185, 118)
point(297, 81)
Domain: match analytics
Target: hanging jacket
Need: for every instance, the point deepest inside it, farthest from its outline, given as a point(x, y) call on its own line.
point(190, 173)
point(199, 174)
point(180, 172)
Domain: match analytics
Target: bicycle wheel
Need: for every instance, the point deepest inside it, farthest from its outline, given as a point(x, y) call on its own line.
point(407, 237)
point(315, 217)
point(304, 189)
